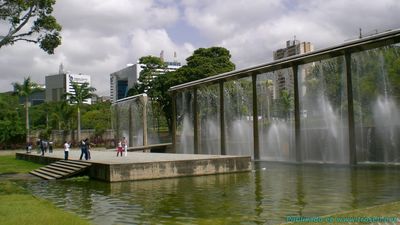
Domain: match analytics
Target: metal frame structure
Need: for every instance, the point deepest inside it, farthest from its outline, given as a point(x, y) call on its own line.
point(345, 49)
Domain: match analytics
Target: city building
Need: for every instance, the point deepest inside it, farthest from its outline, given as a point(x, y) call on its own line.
point(59, 84)
point(36, 98)
point(124, 79)
point(284, 78)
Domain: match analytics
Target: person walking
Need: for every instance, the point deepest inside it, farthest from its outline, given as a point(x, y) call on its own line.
point(50, 146)
point(45, 145)
point(28, 147)
point(42, 149)
point(38, 149)
point(66, 150)
point(87, 143)
point(125, 146)
point(119, 148)
point(82, 144)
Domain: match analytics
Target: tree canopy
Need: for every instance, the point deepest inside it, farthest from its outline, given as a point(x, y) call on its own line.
point(203, 63)
point(25, 90)
point(18, 14)
point(81, 93)
point(152, 66)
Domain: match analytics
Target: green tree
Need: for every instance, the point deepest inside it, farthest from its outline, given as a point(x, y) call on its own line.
point(12, 129)
point(18, 14)
point(152, 67)
point(25, 90)
point(97, 117)
point(81, 93)
point(286, 103)
point(203, 63)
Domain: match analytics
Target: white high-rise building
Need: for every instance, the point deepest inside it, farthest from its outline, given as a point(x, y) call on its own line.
point(59, 84)
point(124, 79)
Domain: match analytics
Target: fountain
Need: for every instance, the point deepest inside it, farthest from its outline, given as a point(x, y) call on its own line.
point(386, 116)
point(378, 115)
point(128, 121)
point(337, 105)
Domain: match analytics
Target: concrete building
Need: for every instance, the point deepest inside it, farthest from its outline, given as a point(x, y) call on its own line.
point(59, 84)
point(124, 79)
point(284, 78)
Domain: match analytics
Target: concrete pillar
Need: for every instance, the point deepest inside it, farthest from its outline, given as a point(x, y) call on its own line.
point(222, 117)
point(195, 122)
point(144, 101)
point(352, 133)
point(173, 125)
point(256, 137)
point(130, 133)
point(297, 125)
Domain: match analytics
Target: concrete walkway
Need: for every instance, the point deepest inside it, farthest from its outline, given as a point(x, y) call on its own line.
point(110, 157)
point(105, 165)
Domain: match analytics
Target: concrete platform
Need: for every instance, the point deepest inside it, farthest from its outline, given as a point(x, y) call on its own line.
point(107, 166)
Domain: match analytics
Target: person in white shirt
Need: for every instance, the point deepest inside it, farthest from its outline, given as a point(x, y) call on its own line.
point(125, 146)
point(66, 150)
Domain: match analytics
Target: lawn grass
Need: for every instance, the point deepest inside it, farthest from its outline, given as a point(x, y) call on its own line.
point(19, 207)
point(9, 164)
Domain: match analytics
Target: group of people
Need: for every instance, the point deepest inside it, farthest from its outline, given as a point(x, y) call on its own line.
point(122, 147)
point(85, 149)
point(42, 146)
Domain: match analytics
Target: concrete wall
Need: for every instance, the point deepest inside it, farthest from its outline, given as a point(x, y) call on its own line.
point(156, 170)
point(36, 158)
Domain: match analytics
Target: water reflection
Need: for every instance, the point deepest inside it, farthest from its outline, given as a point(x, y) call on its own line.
point(264, 196)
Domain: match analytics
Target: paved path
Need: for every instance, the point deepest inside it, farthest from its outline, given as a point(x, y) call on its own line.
point(110, 156)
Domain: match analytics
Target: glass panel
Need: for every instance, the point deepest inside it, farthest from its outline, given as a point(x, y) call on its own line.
point(323, 107)
point(376, 87)
point(128, 122)
point(184, 122)
point(123, 120)
point(157, 127)
point(210, 128)
point(239, 117)
point(275, 115)
point(136, 123)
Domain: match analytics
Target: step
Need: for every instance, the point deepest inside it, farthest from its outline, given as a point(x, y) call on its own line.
point(41, 175)
point(71, 165)
point(52, 170)
point(76, 162)
point(62, 169)
point(66, 167)
point(50, 174)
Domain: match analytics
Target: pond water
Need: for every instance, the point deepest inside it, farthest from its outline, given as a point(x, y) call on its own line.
point(266, 195)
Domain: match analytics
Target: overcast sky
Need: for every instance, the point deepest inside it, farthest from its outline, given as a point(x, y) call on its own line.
point(100, 37)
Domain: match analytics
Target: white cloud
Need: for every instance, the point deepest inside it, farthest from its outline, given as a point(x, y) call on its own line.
point(152, 42)
point(100, 37)
point(253, 30)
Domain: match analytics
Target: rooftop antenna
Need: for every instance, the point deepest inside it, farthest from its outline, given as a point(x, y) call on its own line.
point(175, 56)
point(162, 55)
point(61, 69)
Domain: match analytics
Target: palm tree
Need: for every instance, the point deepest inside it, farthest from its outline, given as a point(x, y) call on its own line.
point(82, 91)
point(25, 90)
